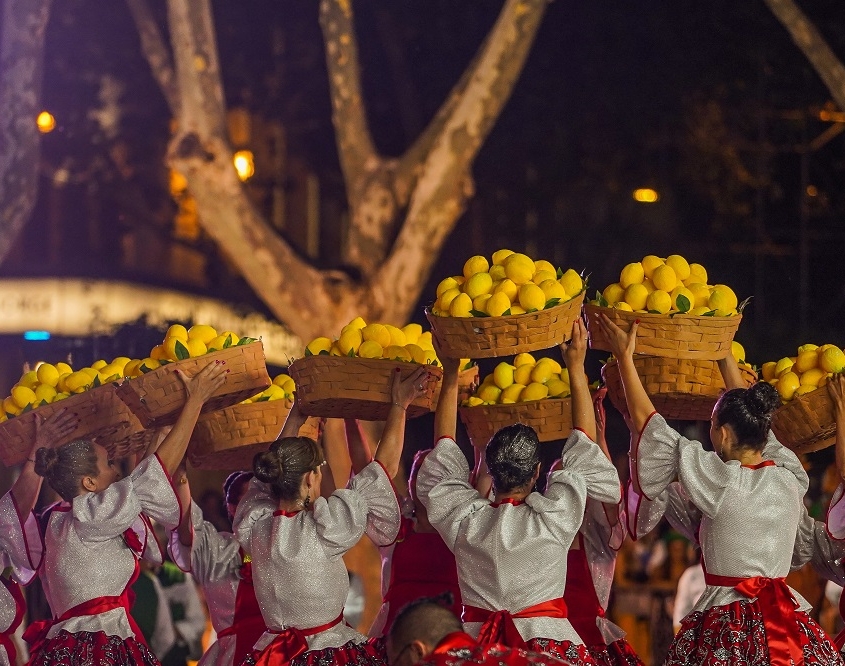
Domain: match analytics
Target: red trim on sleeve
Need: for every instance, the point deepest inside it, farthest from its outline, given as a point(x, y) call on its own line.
point(286, 514)
point(636, 459)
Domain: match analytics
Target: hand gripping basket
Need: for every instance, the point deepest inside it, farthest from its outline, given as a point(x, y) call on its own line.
point(356, 388)
point(682, 336)
point(157, 397)
point(679, 388)
point(806, 423)
point(550, 417)
point(489, 337)
point(228, 439)
point(103, 418)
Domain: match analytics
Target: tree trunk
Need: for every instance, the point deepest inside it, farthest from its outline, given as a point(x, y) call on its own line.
point(21, 71)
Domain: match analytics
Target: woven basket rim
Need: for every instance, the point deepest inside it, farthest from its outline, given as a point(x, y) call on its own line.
point(663, 318)
point(515, 317)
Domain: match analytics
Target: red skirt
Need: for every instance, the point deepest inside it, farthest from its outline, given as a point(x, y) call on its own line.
point(370, 653)
point(618, 653)
point(734, 634)
point(85, 648)
point(566, 650)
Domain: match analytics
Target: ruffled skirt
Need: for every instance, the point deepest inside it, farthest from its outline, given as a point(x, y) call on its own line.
point(618, 653)
point(370, 653)
point(86, 648)
point(734, 635)
point(577, 655)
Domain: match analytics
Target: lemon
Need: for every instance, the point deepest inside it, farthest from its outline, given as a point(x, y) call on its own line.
point(697, 273)
point(622, 305)
point(474, 401)
point(738, 351)
point(649, 263)
point(807, 360)
point(316, 346)
point(531, 297)
point(99, 365)
point(558, 388)
point(497, 304)
point(91, 372)
point(701, 294)
point(543, 265)
point(803, 390)
point(412, 333)
point(613, 293)
point(29, 379)
point(553, 289)
point(489, 393)
point(397, 335)
point(478, 284)
point(784, 365)
point(664, 278)
point(832, 360)
point(274, 393)
point(679, 265)
point(23, 396)
point(542, 276)
point(445, 300)
point(216, 344)
point(61, 396)
point(497, 273)
point(370, 349)
point(633, 273)
point(768, 370)
point(235, 338)
point(523, 359)
point(503, 375)
point(196, 347)
point(787, 384)
point(461, 306)
point(541, 373)
point(120, 361)
point(177, 331)
point(522, 374)
point(376, 333)
point(479, 303)
point(158, 352)
point(48, 374)
point(424, 340)
point(111, 369)
point(169, 346)
point(699, 311)
point(636, 296)
point(10, 407)
point(476, 264)
point(149, 364)
point(397, 353)
point(534, 391)
point(202, 332)
point(61, 385)
point(77, 380)
point(512, 393)
point(517, 309)
point(810, 378)
point(499, 256)
point(132, 369)
point(556, 367)
point(686, 293)
point(359, 322)
point(722, 300)
point(350, 340)
point(572, 282)
point(508, 288)
point(418, 354)
point(807, 347)
point(285, 382)
point(658, 301)
point(649, 285)
point(519, 268)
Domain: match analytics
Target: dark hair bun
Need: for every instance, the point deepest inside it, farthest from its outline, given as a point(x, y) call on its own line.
point(45, 460)
point(762, 399)
point(267, 466)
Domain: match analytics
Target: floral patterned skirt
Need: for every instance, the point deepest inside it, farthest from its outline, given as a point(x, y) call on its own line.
point(577, 655)
point(734, 634)
point(618, 653)
point(87, 648)
point(370, 653)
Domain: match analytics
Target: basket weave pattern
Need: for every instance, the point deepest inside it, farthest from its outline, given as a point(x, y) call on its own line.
point(229, 438)
point(679, 388)
point(102, 418)
point(358, 388)
point(488, 337)
point(551, 418)
point(684, 336)
point(157, 397)
point(806, 423)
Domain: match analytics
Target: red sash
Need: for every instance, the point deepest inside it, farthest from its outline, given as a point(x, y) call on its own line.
point(498, 626)
point(581, 597)
point(457, 640)
point(247, 623)
point(839, 641)
point(777, 606)
point(290, 643)
point(20, 606)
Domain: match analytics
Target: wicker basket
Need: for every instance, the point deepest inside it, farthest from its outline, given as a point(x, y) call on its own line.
point(102, 417)
point(550, 417)
point(157, 397)
point(683, 336)
point(228, 439)
point(806, 423)
point(136, 444)
point(489, 337)
point(467, 383)
point(357, 388)
point(679, 388)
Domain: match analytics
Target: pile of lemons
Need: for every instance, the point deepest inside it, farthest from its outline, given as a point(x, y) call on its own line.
point(665, 286)
point(525, 380)
point(282, 388)
point(809, 369)
point(513, 284)
point(180, 343)
point(409, 344)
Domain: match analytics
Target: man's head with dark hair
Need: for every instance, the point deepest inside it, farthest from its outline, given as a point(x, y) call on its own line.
point(417, 630)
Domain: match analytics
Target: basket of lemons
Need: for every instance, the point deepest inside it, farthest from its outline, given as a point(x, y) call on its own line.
point(681, 389)
point(88, 392)
point(156, 395)
point(229, 438)
point(805, 422)
point(680, 314)
point(350, 377)
point(510, 305)
point(531, 391)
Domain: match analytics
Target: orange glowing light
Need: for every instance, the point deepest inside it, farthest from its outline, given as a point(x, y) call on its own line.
point(46, 122)
point(244, 164)
point(646, 195)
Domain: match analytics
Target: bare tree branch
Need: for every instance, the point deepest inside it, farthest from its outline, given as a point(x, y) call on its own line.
point(156, 52)
point(811, 42)
point(21, 72)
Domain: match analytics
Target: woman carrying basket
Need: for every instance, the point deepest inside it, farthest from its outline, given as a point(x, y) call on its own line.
point(512, 551)
point(751, 507)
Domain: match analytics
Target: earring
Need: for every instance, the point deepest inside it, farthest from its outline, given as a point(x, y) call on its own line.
point(306, 502)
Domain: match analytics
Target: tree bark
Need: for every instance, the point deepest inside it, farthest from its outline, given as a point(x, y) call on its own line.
point(21, 73)
point(813, 45)
point(155, 51)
